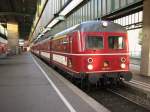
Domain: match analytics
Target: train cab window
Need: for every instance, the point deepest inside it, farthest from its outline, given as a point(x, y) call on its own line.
point(94, 42)
point(116, 42)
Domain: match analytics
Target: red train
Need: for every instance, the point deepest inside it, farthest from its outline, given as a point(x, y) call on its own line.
point(3, 47)
point(91, 50)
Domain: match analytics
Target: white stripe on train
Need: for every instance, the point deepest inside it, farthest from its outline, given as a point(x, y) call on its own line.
point(91, 54)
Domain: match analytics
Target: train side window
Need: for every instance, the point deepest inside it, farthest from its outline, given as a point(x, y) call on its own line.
point(65, 41)
point(94, 42)
point(116, 42)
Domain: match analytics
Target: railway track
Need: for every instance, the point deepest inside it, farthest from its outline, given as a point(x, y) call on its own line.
point(116, 99)
point(127, 97)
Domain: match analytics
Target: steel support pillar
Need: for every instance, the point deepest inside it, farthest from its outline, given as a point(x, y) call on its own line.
point(145, 62)
point(13, 35)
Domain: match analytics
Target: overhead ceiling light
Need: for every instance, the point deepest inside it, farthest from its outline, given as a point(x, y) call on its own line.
point(70, 7)
point(3, 40)
point(53, 23)
point(46, 29)
point(39, 36)
point(42, 34)
point(105, 23)
point(62, 18)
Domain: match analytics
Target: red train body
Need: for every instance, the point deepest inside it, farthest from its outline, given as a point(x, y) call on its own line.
point(3, 47)
point(94, 49)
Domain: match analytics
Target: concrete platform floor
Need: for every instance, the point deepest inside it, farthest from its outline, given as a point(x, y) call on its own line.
point(135, 68)
point(28, 85)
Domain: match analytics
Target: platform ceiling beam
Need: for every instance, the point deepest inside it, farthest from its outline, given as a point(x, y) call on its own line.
point(14, 14)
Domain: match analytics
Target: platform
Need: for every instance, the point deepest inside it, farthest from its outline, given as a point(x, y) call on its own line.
point(139, 81)
point(29, 85)
point(135, 68)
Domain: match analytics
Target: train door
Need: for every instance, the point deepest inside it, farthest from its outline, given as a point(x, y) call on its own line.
point(66, 44)
point(70, 43)
point(50, 50)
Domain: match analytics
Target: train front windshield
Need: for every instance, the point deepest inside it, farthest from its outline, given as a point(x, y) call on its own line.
point(94, 42)
point(116, 42)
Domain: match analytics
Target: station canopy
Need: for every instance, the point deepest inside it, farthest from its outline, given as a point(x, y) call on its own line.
point(20, 11)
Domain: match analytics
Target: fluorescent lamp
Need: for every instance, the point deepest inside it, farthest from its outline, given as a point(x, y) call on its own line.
point(42, 34)
point(21, 43)
point(3, 40)
point(62, 18)
point(46, 29)
point(38, 37)
point(53, 23)
point(70, 7)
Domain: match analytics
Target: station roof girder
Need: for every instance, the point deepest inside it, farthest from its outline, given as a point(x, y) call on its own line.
point(20, 11)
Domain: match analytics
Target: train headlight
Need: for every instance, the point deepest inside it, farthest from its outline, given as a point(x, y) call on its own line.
point(90, 67)
point(123, 65)
point(123, 59)
point(90, 60)
point(105, 24)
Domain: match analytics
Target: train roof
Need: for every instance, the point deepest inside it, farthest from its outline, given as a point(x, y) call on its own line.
point(94, 26)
